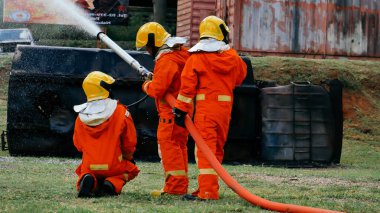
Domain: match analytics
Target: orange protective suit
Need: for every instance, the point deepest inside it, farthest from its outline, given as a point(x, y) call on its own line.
point(107, 149)
point(210, 78)
point(172, 139)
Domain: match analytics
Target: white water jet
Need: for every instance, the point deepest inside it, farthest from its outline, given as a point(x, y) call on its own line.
point(76, 15)
point(73, 14)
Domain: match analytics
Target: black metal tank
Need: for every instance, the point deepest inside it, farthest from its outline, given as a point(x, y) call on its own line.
point(301, 124)
point(45, 84)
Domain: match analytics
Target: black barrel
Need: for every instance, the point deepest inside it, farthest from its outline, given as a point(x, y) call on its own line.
point(243, 137)
point(298, 124)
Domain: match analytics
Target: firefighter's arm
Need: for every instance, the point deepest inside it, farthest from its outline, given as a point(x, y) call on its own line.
point(189, 81)
point(164, 73)
point(75, 137)
point(128, 137)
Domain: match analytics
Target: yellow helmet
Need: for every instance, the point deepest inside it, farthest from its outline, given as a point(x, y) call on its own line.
point(151, 33)
point(213, 27)
point(94, 85)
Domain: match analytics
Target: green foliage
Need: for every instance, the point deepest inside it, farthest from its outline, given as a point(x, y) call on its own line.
point(42, 31)
point(128, 45)
point(128, 33)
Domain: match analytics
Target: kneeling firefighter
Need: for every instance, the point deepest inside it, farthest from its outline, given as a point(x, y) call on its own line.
point(105, 134)
point(170, 57)
point(210, 75)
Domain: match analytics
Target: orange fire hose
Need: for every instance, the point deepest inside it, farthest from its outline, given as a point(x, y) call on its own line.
point(232, 183)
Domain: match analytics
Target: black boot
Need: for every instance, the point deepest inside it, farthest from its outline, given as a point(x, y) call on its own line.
point(191, 197)
point(108, 189)
point(85, 186)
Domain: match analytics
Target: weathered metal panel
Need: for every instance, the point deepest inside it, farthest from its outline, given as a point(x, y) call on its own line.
point(353, 28)
point(283, 26)
point(316, 27)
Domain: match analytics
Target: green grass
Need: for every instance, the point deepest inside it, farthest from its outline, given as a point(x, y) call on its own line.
point(353, 74)
point(48, 185)
point(5, 63)
point(3, 114)
point(30, 184)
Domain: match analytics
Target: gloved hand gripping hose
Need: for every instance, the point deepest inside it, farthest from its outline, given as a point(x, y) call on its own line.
point(227, 178)
point(179, 117)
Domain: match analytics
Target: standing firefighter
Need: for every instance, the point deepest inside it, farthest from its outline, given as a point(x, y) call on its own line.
point(210, 75)
point(170, 58)
point(105, 134)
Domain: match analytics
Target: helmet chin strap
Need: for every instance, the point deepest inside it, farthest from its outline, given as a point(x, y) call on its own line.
point(151, 43)
point(107, 87)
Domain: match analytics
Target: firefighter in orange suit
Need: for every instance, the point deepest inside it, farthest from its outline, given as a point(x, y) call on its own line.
point(105, 134)
point(210, 76)
point(170, 57)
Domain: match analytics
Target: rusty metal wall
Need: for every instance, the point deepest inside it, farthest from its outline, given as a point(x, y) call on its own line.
point(308, 27)
point(316, 27)
point(353, 28)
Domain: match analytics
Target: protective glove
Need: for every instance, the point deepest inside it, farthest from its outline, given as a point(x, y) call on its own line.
point(179, 117)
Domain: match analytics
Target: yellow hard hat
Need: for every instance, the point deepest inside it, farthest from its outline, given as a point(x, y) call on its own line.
point(151, 33)
point(93, 85)
point(213, 27)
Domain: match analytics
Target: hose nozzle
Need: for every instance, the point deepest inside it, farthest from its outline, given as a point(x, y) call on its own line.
point(99, 34)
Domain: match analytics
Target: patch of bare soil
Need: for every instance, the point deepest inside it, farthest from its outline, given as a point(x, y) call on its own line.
point(362, 114)
point(372, 83)
point(356, 105)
